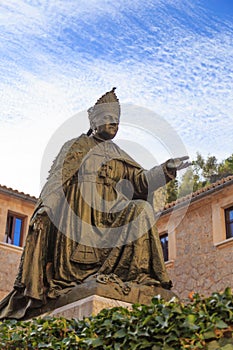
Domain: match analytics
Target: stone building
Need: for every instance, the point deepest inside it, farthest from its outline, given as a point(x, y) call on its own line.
point(196, 233)
point(16, 208)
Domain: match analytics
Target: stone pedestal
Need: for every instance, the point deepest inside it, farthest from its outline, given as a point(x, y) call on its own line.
point(91, 297)
point(87, 307)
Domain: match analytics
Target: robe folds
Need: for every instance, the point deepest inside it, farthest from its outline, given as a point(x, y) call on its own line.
point(92, 217)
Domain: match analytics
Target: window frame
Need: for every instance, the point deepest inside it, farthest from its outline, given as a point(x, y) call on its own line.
point(166, 248)
point(10, 228)
point(221, 201)
point(228, 222)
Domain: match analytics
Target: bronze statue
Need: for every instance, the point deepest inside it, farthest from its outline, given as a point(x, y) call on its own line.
point(87, 227)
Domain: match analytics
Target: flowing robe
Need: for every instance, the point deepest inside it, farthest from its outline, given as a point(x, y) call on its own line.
point(92, 217)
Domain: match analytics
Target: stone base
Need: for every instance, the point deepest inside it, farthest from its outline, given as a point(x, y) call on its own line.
point(86, 307)
point(90, 297)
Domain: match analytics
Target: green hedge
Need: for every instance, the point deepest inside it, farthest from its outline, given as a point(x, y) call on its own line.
point(202, 323)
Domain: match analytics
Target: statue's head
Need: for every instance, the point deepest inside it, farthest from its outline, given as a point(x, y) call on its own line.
point(104, 116)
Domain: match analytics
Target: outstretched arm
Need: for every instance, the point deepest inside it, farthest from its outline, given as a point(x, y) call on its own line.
point(158, 176)
point(147, 181)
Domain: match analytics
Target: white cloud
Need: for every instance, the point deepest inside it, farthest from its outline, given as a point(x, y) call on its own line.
point(161, 63)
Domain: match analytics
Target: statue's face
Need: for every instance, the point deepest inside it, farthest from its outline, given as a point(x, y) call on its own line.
point(108, 130)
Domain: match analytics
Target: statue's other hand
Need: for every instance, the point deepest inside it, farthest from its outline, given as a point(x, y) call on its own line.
point(178, 163)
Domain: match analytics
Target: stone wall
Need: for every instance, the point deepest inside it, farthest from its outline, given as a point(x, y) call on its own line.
point(199, 262)
point(9, 262)
point(22, 204)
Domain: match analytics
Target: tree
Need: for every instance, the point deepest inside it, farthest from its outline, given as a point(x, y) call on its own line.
point(203, 172)
point(205, 169)
point(225, 168)
point(190, 182)
point(171, 191)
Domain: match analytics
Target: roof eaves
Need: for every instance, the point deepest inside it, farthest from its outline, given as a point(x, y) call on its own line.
point(16, 193)
point(202, 192)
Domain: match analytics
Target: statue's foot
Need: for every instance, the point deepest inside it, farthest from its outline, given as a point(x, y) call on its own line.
point(146, 280)
point(167, 285)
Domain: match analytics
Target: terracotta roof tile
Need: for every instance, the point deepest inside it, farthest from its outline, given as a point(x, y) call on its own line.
point(9, 189)
point(194, 195)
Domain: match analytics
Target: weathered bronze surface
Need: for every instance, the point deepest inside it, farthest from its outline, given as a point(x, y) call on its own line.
point(87, 231)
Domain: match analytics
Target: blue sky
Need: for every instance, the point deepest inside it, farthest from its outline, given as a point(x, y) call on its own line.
point(58, 57)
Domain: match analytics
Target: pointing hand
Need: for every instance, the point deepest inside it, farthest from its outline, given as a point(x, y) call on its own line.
point(178, 163)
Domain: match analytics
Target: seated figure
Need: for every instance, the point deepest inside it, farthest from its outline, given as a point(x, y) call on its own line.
point(92, 219)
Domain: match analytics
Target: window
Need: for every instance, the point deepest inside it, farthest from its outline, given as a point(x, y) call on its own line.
point(14, 229)
point(222, 218)
point(164, 243)
point(229, 222)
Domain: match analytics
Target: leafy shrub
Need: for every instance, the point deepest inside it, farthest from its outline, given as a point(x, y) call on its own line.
point(202, 323)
